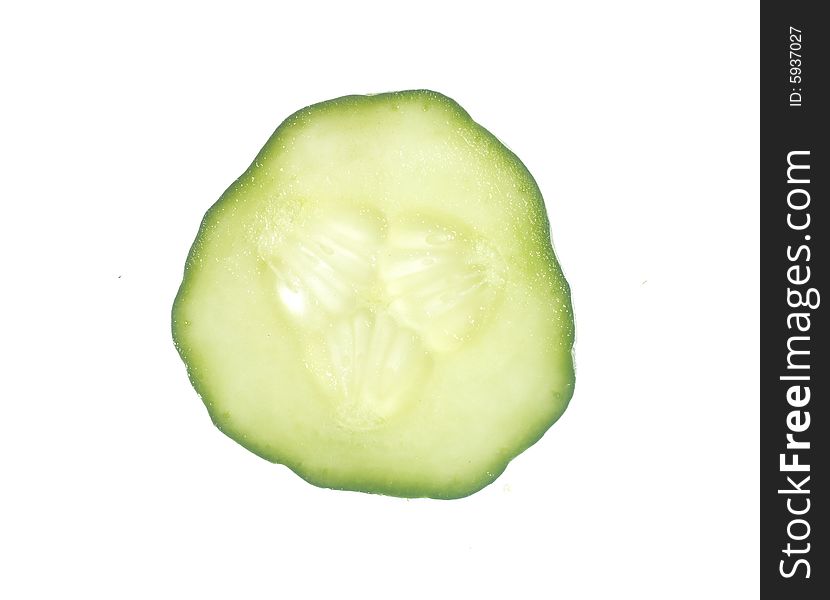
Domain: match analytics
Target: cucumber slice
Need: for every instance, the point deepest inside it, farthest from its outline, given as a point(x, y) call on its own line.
point(376, 303)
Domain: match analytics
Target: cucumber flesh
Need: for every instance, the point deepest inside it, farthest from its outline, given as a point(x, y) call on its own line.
point(376, 303)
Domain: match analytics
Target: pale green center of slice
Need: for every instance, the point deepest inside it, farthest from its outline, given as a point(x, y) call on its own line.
point(373, 302)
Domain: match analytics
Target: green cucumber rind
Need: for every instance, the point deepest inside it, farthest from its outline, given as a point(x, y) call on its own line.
point(371, 485)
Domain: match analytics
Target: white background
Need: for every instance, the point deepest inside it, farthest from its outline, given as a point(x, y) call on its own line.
point(120, 126)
